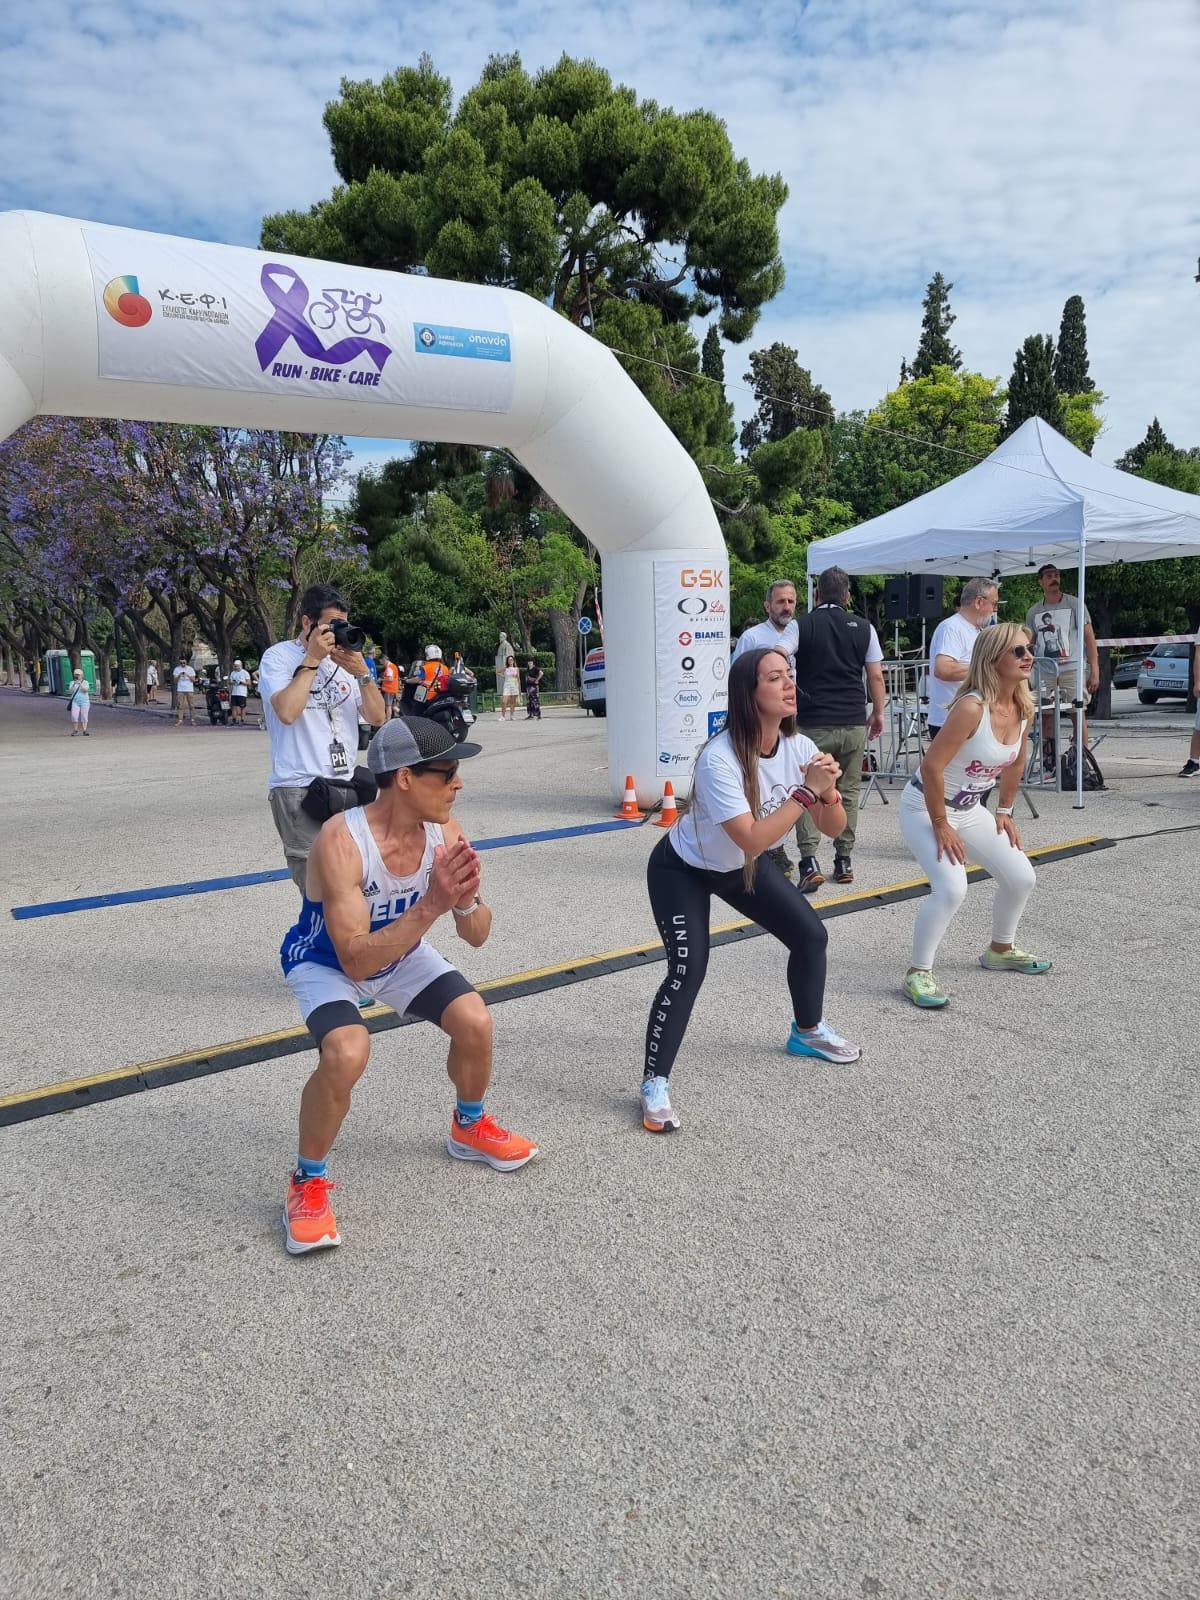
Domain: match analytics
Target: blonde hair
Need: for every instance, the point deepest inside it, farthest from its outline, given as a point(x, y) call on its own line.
point(982, 677)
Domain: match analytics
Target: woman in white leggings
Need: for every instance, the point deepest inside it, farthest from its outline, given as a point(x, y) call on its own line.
point(984, 740)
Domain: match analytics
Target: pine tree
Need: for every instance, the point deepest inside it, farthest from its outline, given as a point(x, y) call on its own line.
point(1031, 390)
point(1071, 358)
point(903, 370)
point(1155, 443)
point(935, 349)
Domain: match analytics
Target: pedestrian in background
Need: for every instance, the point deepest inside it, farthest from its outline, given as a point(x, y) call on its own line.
point(239, 693)
point(510, 690)
point(152, 683)
point(833, 649)
point(952, 643)
point(1191, 767)
point(533, 691)
point(184, 678)
point(389, 683)
point(80, 704)
point(779, 630)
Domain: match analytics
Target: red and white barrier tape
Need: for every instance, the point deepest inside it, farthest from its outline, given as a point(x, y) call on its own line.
point(1153, 638)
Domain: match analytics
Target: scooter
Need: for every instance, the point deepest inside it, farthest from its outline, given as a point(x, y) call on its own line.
point(216, 699)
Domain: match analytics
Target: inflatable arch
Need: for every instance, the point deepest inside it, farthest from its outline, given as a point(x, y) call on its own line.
point(97, 321)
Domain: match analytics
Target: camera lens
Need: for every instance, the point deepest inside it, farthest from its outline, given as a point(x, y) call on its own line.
point(346, 635)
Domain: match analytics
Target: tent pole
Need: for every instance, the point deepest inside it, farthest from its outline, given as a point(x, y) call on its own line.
point(1081, 698)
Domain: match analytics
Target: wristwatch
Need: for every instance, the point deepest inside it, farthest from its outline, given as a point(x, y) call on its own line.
point(466, 911)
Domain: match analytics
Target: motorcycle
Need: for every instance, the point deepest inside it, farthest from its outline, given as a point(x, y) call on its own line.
point(216, 700)
point(450, 709)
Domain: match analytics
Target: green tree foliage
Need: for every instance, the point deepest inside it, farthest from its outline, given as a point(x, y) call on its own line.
point(1071, 357)
point(712, 357)
point(786, 396)
point(1154, 443)
point(562, 184)
point(793, 525)
point(922, 434)
point(1081, 423)
point(1031, 389)
point(935, 348)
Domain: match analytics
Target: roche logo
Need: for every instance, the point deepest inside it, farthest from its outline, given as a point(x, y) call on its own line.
point(688, 697)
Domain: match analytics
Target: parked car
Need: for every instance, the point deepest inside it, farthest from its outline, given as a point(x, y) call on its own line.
point(1125, 673)
point(591, 692)
point(1167, 672)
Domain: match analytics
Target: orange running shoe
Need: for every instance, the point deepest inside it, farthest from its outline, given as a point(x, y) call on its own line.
point(308, 1216)
point(486, 1140)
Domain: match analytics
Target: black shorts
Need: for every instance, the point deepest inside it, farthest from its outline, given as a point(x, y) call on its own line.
point(237, 699)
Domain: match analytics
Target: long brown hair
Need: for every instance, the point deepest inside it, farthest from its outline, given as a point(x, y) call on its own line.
point(744, 726)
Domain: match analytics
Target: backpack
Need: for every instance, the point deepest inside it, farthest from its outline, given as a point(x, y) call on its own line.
point(1093, 778)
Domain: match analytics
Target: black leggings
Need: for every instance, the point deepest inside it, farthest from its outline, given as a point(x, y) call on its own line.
point(680, 897)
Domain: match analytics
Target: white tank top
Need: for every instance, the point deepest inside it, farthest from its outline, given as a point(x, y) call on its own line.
point(974, 770)
point(390, 897)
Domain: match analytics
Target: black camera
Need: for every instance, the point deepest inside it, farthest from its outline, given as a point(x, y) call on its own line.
point(345, 635)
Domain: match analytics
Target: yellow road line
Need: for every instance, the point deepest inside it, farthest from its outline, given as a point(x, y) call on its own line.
point(75, 1085)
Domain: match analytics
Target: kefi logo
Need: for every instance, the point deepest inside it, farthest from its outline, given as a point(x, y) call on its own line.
point(124, 304)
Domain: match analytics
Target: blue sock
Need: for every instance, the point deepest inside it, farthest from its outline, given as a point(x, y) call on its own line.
point(467, 1112)
point(309, 1169)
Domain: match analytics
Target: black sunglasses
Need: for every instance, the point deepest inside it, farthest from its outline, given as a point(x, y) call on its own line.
point(1021, 651)
point(447, 774)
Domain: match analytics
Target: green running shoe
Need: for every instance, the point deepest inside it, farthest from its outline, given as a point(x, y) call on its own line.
point(923, 991)
point(1013, 961)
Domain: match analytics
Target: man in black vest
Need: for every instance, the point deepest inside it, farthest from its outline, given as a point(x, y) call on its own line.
point(834, 650)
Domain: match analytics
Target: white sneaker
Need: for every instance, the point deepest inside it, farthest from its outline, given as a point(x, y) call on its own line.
point(824, 1043)
point(658, 1115)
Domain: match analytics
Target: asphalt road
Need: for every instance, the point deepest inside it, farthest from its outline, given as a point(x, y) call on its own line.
point(921, 1327)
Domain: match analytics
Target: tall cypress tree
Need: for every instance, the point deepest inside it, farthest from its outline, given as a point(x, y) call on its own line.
point(712, 357)
point(1071, 358)
point(1155, 443)
point(935, 349)
point(1031, 389)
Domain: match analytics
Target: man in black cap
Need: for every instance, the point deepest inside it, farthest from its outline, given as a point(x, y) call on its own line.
point(379, 877)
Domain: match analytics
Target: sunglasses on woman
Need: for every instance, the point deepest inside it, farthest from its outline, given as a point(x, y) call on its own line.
point(1021, 651)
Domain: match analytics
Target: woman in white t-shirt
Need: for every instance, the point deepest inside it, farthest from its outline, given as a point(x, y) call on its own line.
point(984, 741)
point(752, 782)
point(80, 704)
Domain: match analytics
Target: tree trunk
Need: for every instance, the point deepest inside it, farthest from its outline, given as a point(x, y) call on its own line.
point(566, 637)
point(137, 635)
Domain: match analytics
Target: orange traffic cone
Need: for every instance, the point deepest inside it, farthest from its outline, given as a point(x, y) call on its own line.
point(629, 806)
point(668, 816)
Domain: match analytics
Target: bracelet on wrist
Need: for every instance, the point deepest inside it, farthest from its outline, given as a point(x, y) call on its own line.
point(803, 796)
point(467, 911)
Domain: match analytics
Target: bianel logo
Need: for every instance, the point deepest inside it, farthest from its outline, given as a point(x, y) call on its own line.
point(710, 633)
point(702, 578)
point(427, 337)
point(124, 304)
point(685, 639)
point(688, 697)
point(692, 605)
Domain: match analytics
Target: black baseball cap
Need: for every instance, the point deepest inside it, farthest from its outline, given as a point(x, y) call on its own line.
point(411, 742)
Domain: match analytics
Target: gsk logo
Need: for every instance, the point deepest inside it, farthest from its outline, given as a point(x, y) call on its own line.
point(702, 578)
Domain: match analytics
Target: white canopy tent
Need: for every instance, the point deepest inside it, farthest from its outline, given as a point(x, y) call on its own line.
point(1035, 499)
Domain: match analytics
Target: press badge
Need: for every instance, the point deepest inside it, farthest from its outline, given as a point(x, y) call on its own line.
point(338, 759)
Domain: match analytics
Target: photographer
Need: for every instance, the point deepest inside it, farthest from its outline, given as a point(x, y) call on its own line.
point(312, 688)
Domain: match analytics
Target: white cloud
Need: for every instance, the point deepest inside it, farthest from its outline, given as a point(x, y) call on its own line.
point(1028, 149)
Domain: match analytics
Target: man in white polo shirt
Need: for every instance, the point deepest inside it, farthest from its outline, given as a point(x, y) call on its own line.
point(311, 691)
point(952, 643)
point(779, 630)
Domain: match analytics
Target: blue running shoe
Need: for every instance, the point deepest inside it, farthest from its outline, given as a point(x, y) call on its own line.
point(823, 1043)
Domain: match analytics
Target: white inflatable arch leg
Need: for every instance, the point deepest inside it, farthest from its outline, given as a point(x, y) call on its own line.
point(98, 321)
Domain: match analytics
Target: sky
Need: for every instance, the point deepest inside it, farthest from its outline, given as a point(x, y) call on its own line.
point(1026, 149)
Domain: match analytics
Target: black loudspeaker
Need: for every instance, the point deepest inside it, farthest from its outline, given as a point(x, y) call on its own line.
point(895, 599)
point(911, 599)
point(925, 597)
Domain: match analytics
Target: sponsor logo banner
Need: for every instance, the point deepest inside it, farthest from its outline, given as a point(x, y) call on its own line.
point(691, 657)
point(180, 312)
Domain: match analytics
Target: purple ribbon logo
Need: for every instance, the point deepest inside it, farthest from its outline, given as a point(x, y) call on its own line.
point(286, 291)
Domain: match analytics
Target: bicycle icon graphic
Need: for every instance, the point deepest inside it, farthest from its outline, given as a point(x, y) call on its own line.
point(353, 308)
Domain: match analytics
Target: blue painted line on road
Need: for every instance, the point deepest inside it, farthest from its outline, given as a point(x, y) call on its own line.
point(249, 880)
